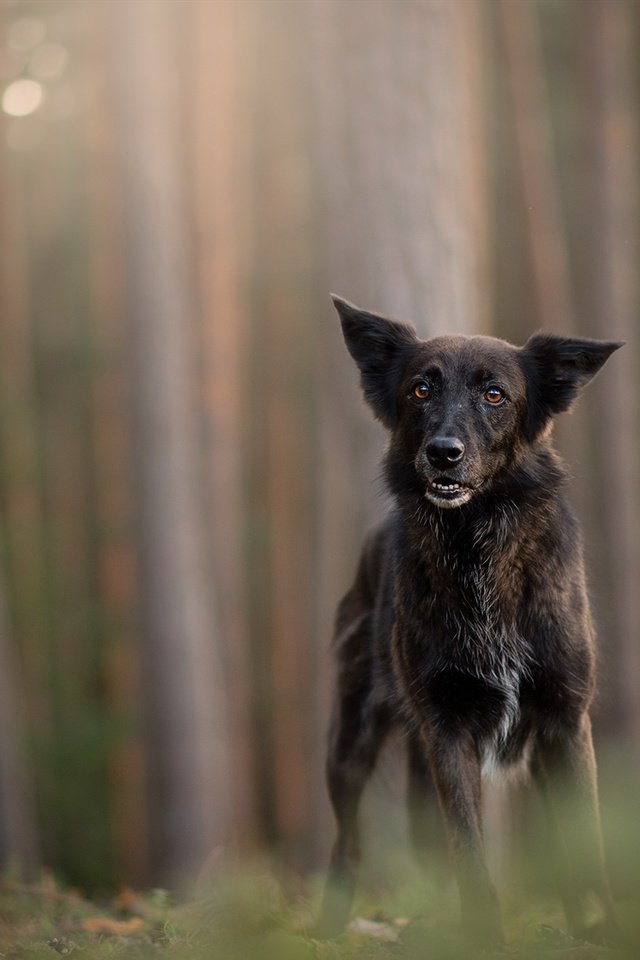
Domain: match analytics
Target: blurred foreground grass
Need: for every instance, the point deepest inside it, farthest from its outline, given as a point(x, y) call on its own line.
point(249, 915)
point(400, 912)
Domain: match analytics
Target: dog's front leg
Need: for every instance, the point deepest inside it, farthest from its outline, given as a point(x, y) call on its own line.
point(455, 767)
point(565, 768)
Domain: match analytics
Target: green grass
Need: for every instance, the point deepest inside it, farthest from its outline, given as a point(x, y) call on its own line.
point(248, 915)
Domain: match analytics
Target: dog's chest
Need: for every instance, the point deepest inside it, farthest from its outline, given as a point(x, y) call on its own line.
point(475, 660)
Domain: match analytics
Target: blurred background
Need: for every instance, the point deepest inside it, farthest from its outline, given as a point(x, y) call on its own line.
point(186, 467)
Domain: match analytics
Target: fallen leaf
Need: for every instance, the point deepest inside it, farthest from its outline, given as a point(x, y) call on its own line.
point(106, 925)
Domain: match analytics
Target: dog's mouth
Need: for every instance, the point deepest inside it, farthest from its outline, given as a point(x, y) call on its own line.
point(447, 493)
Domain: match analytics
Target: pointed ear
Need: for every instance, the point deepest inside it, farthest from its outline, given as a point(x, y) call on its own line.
point(381, 348)
point(556, 369)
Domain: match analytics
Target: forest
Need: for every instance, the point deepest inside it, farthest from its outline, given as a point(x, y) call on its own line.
point(187, 469)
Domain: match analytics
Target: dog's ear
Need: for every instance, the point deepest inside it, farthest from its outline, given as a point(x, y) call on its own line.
point(381, 348)
point(556, 369)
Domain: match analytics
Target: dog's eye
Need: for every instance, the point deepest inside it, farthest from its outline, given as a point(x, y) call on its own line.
point(421, 390)
point(494, 395)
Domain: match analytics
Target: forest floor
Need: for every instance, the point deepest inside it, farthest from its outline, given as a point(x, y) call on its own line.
point(251, 917)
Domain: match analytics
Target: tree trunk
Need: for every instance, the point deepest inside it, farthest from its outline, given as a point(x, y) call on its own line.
point(181, 683)
point(222, 70)
point(532, 123)
point(25, 700)
point(115, 582)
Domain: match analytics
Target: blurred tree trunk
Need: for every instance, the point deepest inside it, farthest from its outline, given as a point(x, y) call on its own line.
point(114, 545)
point(18, 833)
point(610, 296)
point(25, 697)
point(400, 157)
point(221, 67)
point(181, 684)
point(540, 188)
point(279, 431)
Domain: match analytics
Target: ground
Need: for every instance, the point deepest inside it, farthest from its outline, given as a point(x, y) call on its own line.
point(251, 917)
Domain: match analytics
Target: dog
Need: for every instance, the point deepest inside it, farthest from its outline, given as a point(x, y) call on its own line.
point(468, 623)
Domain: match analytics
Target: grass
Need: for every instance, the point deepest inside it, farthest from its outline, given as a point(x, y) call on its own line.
point(262, 914)
point(249, 916)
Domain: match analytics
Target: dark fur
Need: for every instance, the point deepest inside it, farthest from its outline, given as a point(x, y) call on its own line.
point(468, 622)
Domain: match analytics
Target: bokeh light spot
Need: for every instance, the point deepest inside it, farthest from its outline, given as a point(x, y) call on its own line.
point(22, 97)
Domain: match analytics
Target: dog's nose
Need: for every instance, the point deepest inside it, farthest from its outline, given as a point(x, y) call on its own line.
point(445, 452)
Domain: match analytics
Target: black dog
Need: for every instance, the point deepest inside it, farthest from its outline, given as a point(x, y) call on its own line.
point(468, 621)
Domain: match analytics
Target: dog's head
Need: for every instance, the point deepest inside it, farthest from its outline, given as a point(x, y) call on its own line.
point(462, 410)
